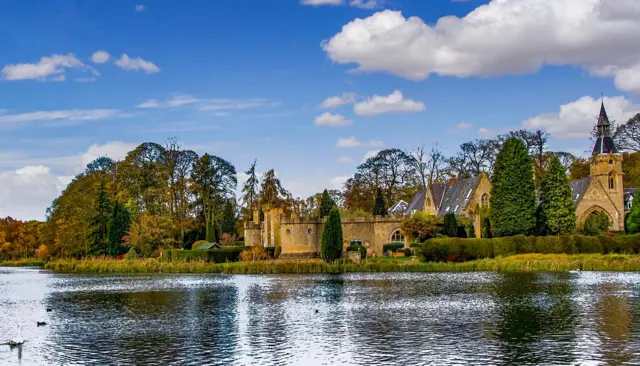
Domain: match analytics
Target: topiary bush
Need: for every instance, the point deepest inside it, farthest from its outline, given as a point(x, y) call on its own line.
point(199, 243)
point(131, 254)
point(407, 252)
point(394, 247)
point(358, 248)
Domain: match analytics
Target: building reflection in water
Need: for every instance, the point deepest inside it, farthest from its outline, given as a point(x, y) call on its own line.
point(613, 324)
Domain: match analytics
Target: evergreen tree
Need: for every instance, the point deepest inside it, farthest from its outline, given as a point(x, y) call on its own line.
point(98, 228)
point(379, 207)
point(557, 211)
point(228, 225)
point(450, 225)
point(462, 232)
point(633, 221)
point(331, 247)
point(486, 228)
point(513, 198)
point(251, 188)
point(472, 230)
point(326, 204)
point(596, 224)
point(118, 227)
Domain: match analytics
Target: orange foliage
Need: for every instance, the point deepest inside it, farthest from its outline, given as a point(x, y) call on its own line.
point(256, 253)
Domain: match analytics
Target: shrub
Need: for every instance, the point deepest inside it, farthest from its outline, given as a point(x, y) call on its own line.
point(228, 240)
point(131, 254)
point(407, 252)
point(394, 247)
point(222, 255)
point(255, 253)
point(358, 248)
point(277, 251)
point(156, 253)
point(239, 243)
point(270, 251)
point(198, 244)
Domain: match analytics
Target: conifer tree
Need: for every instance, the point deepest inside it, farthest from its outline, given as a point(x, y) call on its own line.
point(228, 225)
point(557, 211)
point(450, 224)
point(118, 227)
point(472, 231)
point(513, 200)
point(98, 242)
point(331, 246)
point(379, 207)
point(326, 204)
point(486, 228)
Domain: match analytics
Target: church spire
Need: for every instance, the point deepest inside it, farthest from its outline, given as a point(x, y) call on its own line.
point(604, 143)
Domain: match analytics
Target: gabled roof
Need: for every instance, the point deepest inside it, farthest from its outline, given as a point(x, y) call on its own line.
point(400, 206)
point(578, 187)
point(417, 203)
point(453, 198)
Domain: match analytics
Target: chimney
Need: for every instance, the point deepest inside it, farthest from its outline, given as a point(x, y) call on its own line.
point(452, 181)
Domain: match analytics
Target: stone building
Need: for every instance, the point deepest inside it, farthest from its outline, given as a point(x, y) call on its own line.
point(602, 191)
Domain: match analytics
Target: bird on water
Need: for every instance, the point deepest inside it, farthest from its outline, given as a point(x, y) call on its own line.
point(18, 340)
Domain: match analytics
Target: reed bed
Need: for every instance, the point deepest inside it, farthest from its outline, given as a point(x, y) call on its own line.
point(24, 262)
point(516, 263)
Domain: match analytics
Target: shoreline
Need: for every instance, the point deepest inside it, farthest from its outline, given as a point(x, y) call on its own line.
point(516, 263)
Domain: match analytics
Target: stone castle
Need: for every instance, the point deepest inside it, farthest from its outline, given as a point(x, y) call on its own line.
point(602, 191)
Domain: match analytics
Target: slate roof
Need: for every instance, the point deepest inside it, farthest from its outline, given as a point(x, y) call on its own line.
point(417, 203)
point(578, 187)
point(604, 143)
point(398, 207)
point(453, 198)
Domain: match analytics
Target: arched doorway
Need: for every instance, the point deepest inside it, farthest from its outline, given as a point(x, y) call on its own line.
point(594, 211)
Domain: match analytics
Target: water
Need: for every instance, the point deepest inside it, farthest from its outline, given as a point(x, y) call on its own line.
point(356, 319)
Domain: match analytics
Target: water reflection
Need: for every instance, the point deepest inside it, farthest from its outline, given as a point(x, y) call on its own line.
point(359, 319)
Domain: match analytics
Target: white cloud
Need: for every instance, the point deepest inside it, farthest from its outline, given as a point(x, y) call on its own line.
point(84, 80)
point(370, 154)
point(135, 64)
point(339, 100)
point(575, 120)
point(332, 120)
point(366, 4)
point(140, 8)
point(463, 126)
point(500, 38)
point(116, 150)
point(227, 104)
point(26, 193)
point(175, 101)
point(100, 57)
point(344, 160)
point(353, 142)
point(69, 115)
point(485, 132)
point(392, 103)
point(48, 68)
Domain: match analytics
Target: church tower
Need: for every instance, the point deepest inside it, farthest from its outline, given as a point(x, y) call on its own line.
point(606, 168)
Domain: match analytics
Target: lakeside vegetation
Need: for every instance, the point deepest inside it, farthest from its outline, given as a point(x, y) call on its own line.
point(516, 263)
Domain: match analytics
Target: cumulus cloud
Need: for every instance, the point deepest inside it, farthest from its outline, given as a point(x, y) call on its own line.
point(135, 64)
point(332, 102)
point(51, 68)
point(332, 120)
point(500, 38)
point(575, 120)
point(100, 57)
point(392, 103)
point(353, 142)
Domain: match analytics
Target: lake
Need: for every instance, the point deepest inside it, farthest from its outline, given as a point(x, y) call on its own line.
point(354, 319)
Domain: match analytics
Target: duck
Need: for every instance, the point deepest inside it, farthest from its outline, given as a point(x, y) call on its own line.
point(18, 340)
point(575, 271)
point(49, 310)
point(41, 323)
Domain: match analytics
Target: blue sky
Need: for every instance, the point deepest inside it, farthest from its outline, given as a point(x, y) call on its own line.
point(246, 79)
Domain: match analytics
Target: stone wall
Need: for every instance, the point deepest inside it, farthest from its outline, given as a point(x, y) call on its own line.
point(483, 187)
point(596, 199)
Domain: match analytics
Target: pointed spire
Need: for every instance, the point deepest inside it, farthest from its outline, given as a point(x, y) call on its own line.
point(604, 143)
point(604, 127)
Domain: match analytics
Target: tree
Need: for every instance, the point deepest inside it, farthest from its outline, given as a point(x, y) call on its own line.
point(326, 204)
point(427, 164)
point(556, 203)
point(272, 193)
point(596, 224)
point(486, 228)
point(118, 228)
point(98, 239)
point(331, 246)
point(633, 221)
point(461, 232)
point(472, 230)
point(228, 219)
point(627, 136)
point(579, 169)
point(450, 228)
point(379, 208)
point(250, 191)
point(513, 200)
point(419, 227)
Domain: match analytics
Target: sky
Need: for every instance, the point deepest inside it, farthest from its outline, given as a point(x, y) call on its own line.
point(310, 88)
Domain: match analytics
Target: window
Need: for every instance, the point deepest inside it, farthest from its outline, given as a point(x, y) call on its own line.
point(484, 200)
point(288, 231)
point(428, 202)
point(611, 162)
point(612, 181)
point(309, 231)
point(397, 237)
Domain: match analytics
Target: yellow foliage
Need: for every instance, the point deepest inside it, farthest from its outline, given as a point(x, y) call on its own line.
point(43, 252)
point(256, 253)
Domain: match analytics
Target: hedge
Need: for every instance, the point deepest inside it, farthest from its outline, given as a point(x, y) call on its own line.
point(394, 247)
point(222, 255)
point(458, 249)
point(358, 248)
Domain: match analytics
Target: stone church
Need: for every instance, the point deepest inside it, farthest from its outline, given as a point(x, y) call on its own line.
point(602, 191)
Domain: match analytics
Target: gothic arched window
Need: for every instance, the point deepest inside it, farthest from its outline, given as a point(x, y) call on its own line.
point(397, 237)
point(484, 200)
point(612, 181)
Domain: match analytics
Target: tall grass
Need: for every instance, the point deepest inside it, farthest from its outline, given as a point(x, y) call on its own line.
point(24, 262)
point(518, 263)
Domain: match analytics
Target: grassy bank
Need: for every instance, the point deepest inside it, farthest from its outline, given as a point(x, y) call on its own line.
point(26, 262)
point(522, 263)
